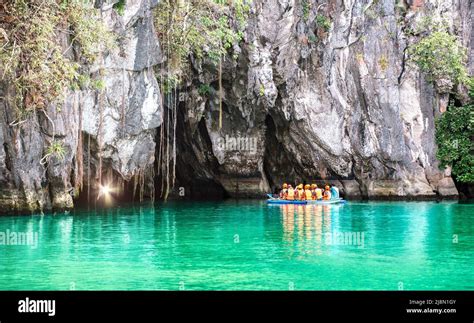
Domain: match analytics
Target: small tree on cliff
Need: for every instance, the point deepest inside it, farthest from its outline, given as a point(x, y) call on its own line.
point(455, 139)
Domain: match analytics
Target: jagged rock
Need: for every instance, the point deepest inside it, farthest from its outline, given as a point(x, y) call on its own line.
point(349, 107)
point(301, 103)
point(120, 122)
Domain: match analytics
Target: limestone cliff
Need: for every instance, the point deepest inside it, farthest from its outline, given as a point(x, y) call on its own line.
point(341, 105)
point(115, 127)
point(335, 102)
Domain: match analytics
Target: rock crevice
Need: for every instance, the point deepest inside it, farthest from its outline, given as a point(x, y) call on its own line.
point(304, 101)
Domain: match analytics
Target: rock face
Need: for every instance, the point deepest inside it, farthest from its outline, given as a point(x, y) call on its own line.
point(122, 120)
point(341, 105)
point(111, 130)
point(321, 91)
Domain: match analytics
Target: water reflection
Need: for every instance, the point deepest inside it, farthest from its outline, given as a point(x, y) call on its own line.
point(305, 228)
point(245, 245)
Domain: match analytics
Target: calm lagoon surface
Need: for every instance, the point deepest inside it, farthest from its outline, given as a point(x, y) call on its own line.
point(243, 245)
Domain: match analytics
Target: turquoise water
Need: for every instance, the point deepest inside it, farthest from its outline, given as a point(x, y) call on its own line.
point(244, 245)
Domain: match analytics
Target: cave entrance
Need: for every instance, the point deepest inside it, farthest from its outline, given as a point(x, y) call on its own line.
point(277, 165)
point(197, 170)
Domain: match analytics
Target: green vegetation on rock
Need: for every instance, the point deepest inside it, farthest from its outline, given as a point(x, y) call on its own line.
point(55, 149)
point(455, 139)
point(441, 56)
point(323, 22)
point(120, 7)
point(203, 29)
point(34, 60)
point(204, 89)
point(306, 6)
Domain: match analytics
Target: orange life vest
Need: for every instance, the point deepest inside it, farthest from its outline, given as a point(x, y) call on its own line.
point(319, 194)
point(290, 194)
point(300, 194)
point(327, 195)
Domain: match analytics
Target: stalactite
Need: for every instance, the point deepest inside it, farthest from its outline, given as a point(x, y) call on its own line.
point(99, 140)
point(220, 92)
point(110, 177)
point(167, 124)
point(135, 183)
point(79, 174)
point(88, 168)
point(122, 111)
point(175, 118)
point(101, 117)
point(161, 127)
point(162, 170)
point(120, 186)
point(167, 165)
point(141, 178)
point(151, 181)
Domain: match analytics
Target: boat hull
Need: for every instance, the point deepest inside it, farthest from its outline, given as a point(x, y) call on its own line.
point(311, 202)
point(278, 201)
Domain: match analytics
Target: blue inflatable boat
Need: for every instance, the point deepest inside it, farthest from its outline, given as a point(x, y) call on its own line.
point(273, 200)
point(278, 201)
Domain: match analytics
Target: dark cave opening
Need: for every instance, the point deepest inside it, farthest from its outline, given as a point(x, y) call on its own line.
point(276, 164)
point(121, 191)
point(196, 166)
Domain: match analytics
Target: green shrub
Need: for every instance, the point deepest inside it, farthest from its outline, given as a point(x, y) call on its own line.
point(55, 149)
point(262, 90)
point(119, 7)
point(383, 62)
point(34, 61)
point(454, 136)
point(210, 29)
point(323, 22)
point(441, 56)
point(312, 38)
point(97, 85)
point(306, 7)
point(204, 89)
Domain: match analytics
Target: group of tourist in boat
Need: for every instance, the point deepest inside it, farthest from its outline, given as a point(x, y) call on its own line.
point(308, 192)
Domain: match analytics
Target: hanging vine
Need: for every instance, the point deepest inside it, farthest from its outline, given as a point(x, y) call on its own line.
point(206, 30)
point(41, 69)
point(31, 57)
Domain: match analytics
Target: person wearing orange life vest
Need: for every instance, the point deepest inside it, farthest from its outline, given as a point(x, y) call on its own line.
point(284, 191)
point(327, 193)
point(313, 191)
point(307, 192)
point(300, 193)
point(318, 193)
point(290, 193)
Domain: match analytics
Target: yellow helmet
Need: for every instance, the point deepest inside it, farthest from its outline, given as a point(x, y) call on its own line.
point(314, 186)
point(300, 186)
point(307, 186)
point(285, 185)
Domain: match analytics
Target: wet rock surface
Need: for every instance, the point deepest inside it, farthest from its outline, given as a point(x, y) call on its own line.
point(112, 130)
point(302, 102)
point(341, 105)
